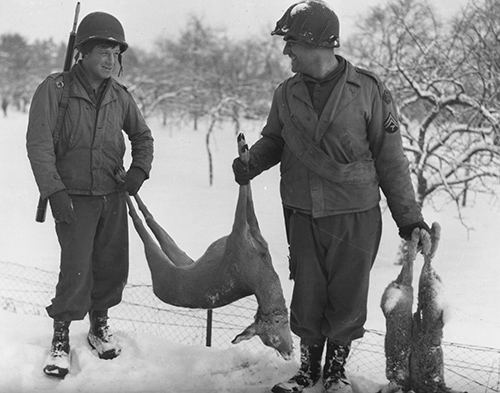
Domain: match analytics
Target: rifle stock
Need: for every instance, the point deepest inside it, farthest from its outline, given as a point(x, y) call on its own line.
point(41, 209)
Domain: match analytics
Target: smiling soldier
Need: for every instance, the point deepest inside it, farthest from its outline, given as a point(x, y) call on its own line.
point(333, 128)
point(75, 168)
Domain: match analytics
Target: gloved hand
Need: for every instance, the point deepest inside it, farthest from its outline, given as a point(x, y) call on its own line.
point(424, 238)
point(62, 207)
point(244, 173)
point(133, 180)
point(406, 230)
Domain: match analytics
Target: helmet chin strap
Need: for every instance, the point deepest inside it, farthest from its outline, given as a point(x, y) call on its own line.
point(121, 65)
point(77, 56)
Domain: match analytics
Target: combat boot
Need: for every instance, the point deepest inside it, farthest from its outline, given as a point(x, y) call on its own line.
point(334, 378)
point(100, 338)
point(58, 361)
point(309, 371)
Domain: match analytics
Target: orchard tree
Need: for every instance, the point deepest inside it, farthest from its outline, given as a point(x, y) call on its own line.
point(445, 82)
point(477, 36)
point(191, 58)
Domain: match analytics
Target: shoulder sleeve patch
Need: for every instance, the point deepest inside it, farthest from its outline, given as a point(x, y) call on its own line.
point(391, 124)
point(387, 97)
point(390, 112)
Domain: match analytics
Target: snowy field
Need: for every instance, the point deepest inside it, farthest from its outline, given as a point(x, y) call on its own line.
point(195, 215)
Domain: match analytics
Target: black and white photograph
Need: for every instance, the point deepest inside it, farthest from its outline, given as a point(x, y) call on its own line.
point(250, 196)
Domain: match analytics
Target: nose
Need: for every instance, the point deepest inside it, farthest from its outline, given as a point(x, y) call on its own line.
point(110, 58)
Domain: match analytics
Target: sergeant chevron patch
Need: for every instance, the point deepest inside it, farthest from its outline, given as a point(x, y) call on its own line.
point(391, 124)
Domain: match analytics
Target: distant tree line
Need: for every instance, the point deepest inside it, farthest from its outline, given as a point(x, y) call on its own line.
point(192, 76)
point(23, 66)
point(203, 74)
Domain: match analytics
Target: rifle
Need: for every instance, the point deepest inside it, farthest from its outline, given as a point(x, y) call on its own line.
point(41, 209)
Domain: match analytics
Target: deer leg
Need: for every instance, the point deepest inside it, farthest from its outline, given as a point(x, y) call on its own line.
point(251, 217)
point(240, 216)
point(164, 273)
point(154, 253)
point(167, 244)
point(139, 226)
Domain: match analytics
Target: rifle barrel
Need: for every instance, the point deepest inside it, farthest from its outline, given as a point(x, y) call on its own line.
point(75, 20)
point(68, 59)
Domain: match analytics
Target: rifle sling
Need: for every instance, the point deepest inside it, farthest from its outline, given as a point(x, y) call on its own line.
point(63, 107)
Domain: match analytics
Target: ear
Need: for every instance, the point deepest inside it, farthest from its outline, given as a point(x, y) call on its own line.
point(246, 334)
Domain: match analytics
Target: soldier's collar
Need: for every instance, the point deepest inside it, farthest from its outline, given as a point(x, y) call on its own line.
point(333, 74)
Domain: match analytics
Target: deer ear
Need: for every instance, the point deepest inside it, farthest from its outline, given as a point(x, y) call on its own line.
point(246, 334)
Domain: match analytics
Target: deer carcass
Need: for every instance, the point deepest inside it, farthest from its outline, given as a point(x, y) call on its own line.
point(233, 267)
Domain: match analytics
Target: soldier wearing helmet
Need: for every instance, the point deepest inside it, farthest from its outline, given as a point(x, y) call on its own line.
point(333, 128)
point(103, 29)
point(76, 147)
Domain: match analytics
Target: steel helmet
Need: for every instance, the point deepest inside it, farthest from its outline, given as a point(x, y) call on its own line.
point(311, 22)
point(103, 26)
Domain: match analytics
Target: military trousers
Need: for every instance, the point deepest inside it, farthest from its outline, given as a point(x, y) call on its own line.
point(330, 262)
point(94, 260)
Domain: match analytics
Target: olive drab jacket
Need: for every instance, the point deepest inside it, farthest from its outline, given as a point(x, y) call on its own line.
point(91, 146)
point(336, 163)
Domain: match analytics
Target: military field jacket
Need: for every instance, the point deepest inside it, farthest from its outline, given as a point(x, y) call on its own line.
point(91, 145)
point(336, 163)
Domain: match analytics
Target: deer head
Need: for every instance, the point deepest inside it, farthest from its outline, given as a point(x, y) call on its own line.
point(274, 331)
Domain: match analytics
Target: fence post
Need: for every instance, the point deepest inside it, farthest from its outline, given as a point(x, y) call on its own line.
point(209, 328)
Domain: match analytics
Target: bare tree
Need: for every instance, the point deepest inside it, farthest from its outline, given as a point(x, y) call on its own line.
point(445, 81)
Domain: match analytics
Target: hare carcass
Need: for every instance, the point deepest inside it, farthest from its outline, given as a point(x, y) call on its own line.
point(396, 304)
point(414, 356)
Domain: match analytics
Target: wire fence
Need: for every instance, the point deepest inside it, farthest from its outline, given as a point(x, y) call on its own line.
point(28, 290)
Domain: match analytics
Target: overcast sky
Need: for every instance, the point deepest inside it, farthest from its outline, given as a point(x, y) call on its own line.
point(146, 20)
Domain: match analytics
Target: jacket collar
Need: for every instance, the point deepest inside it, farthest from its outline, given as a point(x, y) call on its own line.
point(339, 69)
point(346, 90)
point(350, 70)
point(351, 79)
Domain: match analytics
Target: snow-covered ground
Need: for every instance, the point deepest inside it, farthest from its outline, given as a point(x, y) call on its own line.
point(195, 214)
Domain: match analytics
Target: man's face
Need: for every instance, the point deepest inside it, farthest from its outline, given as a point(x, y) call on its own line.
point(304, 58)
point(101, 61)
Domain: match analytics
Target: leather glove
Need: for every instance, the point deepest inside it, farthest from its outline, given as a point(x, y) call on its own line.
point(424, 237)
point(243, 173)
point(406, 230)
point(133, 180)
point(62, 207)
